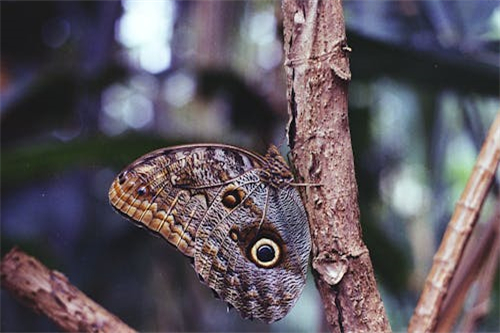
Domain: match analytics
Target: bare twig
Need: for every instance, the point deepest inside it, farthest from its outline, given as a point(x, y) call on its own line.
point(317, 69)
point(478, 255)
point(457, 233)
point(50, 292)
point(485, 281)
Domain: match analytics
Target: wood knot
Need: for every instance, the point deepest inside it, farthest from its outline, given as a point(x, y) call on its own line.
point(331, 268)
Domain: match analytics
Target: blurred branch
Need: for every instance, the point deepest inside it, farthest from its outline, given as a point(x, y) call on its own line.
point(317, 70)
point(57, 89)
point(486, 278)
point(457, 234)
point(478, 264)
point(50, 293)
point(475, 128)
point(430, 69)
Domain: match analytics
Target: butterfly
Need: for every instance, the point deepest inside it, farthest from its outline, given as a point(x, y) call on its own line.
point(235, 213)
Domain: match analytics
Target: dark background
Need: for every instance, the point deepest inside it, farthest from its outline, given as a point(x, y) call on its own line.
point(87, 87)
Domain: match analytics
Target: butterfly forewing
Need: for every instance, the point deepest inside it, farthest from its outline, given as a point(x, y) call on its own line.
point(169, 190)
point(231, 210)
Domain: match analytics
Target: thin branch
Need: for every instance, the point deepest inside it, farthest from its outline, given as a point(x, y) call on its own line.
point(457, 233)
point(478, 255)
point(486, 279)
point(317, 70)
point(50, 293)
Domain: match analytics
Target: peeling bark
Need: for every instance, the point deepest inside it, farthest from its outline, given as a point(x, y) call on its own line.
point(317, 69)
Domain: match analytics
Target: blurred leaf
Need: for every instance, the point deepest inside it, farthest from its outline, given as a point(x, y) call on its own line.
point(44, 160)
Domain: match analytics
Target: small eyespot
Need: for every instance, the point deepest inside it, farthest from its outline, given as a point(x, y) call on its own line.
point(234, 235)
point(265, 253)
point(121, 177)
point(141, 191)
point(232, 197)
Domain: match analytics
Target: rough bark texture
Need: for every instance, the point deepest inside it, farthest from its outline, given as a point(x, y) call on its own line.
point(317, 70)
point(49, 292)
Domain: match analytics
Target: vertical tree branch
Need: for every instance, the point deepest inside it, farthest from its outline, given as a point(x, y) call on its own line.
point(317, 70)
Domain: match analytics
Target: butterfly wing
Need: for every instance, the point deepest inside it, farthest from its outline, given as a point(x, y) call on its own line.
point(249, 240)
point(169, 190)
point(263, 286)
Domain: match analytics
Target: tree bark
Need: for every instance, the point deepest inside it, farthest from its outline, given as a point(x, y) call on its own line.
point(50, 292)
point(317, 69)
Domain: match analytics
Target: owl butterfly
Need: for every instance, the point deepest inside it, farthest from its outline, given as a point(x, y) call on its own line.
point(235, 213)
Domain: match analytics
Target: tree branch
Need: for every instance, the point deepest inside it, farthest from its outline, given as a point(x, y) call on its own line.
point(457, 233)
point(479, 264)
point(317, 70)
point(50, 293)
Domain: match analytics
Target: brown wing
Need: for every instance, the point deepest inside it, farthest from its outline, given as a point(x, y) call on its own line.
point(169, 190)
point(246, 230)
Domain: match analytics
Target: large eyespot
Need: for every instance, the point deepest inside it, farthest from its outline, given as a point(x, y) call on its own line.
point(232, 197)
point(265, 253)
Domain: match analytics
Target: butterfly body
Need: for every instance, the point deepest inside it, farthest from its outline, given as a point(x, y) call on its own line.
point(234, 212)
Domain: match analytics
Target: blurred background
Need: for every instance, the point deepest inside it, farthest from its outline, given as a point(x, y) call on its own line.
point(87, 87)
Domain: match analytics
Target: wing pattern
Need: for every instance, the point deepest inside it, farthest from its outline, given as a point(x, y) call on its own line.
point(234, 212)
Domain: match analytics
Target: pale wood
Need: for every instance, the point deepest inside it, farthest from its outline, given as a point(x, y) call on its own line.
point(49, 292)
point(317, 69)
point(481, 253)
point(482, 304)
point(457, 233)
